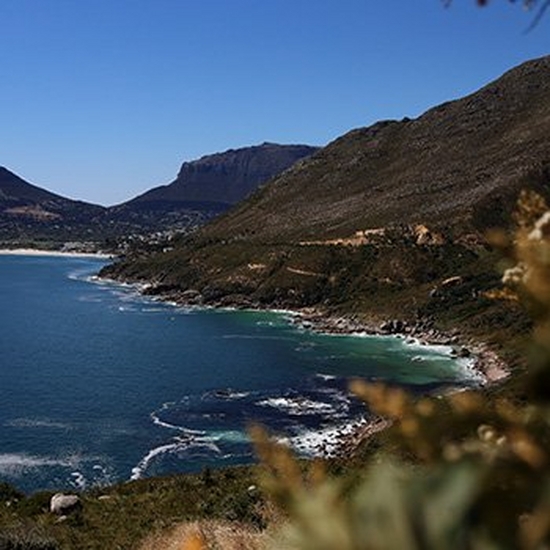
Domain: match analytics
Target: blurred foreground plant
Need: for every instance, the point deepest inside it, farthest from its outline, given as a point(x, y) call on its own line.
point(473, 470)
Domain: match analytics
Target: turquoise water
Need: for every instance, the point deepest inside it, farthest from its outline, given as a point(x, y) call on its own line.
point(98, 384)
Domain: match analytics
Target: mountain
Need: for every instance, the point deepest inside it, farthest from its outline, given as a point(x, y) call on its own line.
point(227, 178)
point(210, 185)
point(28, 212)
point(203, 189)
point(376, 222)
point(14, 190)
point(458, 166)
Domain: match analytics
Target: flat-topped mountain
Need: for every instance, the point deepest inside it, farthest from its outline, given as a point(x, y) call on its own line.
point(380, 220)
point(203, 189)
point(215, 182)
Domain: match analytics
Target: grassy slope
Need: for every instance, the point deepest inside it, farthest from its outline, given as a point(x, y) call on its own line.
point(127, 513)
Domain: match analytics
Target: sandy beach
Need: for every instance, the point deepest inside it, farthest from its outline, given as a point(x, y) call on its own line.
point(59, 253)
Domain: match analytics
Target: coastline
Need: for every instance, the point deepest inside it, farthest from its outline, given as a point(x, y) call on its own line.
point(53, 253)
point(483, 362)
point(340, 440)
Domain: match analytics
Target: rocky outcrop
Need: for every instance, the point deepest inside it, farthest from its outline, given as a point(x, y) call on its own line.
point(62, 505)
point(226, 178)
point(424, 236)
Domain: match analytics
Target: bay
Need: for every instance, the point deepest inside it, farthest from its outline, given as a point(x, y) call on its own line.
point(99, 384)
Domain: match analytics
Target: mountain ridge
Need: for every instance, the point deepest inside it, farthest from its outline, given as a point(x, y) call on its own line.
point(395, 162)
point(376, 223)
point(30, 212)
point(13, 187)
point(226, 177)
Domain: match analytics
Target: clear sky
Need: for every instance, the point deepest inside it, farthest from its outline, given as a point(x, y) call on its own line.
point(103, 99)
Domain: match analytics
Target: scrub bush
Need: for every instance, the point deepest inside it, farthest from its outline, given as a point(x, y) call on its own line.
point(473, 468)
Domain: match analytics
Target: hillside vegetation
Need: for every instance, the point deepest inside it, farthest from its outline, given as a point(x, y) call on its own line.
point(466, 470)
point(375, 224)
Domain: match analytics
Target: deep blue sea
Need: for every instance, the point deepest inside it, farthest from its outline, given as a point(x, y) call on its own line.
point(98, 384)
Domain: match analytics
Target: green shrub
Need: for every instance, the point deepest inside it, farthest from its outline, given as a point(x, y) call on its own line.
point(8, 493)
point(26, 537)
point(472, 469)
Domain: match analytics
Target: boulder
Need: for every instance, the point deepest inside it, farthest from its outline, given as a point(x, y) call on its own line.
point(61, 504)
point(425, 236)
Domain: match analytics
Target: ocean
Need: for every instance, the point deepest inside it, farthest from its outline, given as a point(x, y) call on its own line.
point(99, 384)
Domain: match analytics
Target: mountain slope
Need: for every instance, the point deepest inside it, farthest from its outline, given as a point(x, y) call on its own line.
point(28, 212)
point(203, 189)
point(227, 177)
point(210, 185)
point(458, 166)
point(15, 190)
point(412, 201)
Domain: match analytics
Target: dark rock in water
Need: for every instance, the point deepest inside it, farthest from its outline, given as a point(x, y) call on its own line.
point(394, 326)
point(223, 393)
point(461, 352)
point(238, 301)
point(191, 297)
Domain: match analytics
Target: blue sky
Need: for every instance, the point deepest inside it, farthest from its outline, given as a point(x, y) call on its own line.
point(103, 99)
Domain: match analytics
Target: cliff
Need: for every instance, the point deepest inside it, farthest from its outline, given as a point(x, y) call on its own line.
point(227, 178)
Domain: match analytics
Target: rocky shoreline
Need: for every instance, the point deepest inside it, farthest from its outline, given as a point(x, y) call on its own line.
point(483, 360)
